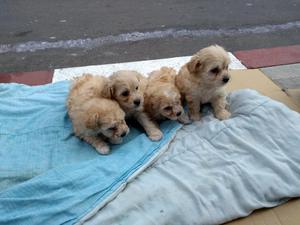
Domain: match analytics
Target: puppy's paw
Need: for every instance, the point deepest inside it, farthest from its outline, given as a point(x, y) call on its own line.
point(223, 114)
point(195, 117)
point(103, 149)
point(184, 119)
point(156, 135)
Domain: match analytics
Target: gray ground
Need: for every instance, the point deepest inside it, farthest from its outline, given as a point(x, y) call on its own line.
point(287, 76)
point(238, 25)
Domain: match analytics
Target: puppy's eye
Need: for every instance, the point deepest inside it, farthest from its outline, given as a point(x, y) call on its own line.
point(168, 108)
point(215, 70)
point(125, 93)
point(136, 88)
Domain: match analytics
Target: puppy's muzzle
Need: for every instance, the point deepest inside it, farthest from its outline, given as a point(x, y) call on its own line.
point(226, 79)
point(137, 102)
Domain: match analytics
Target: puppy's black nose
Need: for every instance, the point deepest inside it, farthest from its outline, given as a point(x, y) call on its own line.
point(123, 134)
point(137, 102)
point(225, 79)
point(178, 114)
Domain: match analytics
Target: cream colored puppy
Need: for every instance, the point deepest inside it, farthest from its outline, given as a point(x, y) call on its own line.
point(94, 116)
point(162, 98)
point(202, 79)
point(128, 89)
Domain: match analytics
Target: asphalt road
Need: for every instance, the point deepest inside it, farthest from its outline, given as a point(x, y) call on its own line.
point(43, 35)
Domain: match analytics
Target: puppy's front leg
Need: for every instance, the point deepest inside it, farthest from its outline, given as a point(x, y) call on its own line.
point(219, 103)
point(151, 127)
point(194, 107)
point(100, 145)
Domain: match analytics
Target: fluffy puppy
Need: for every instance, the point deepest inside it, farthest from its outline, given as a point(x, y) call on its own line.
point(94, 116)
point(127, 88)
point(201, 80)
point(162, 98)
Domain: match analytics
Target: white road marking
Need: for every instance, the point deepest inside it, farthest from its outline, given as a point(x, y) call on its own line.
point(90, 43)
point(143, 67)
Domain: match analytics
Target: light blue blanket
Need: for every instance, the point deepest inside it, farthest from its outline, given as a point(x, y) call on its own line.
point(47, 175)
point(216, 171)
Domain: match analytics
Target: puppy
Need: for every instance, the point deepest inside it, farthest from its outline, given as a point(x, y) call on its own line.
point(94, 116)
point(162, 98)
point(202, 79)
point(128, 89)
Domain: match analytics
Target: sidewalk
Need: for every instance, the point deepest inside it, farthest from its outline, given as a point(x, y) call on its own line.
point(280, 64)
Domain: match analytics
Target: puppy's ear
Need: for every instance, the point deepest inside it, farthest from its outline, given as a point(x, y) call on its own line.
point(93, 120)
point(142, 83)
point(194, 65)
point(107, 91)
point(147, 102)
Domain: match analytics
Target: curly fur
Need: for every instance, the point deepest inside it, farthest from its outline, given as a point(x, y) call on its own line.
point(128, 89)
point(202, 79)
point(95, 117)
point(162, 98)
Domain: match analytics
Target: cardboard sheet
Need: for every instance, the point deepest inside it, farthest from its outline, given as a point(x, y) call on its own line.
point(288, 213)
point(255, 79)
point(294, 94)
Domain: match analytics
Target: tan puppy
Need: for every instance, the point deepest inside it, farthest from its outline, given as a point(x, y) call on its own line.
point(128, 89)
point(94, 116)
point(201, 80)
point(162, 98)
